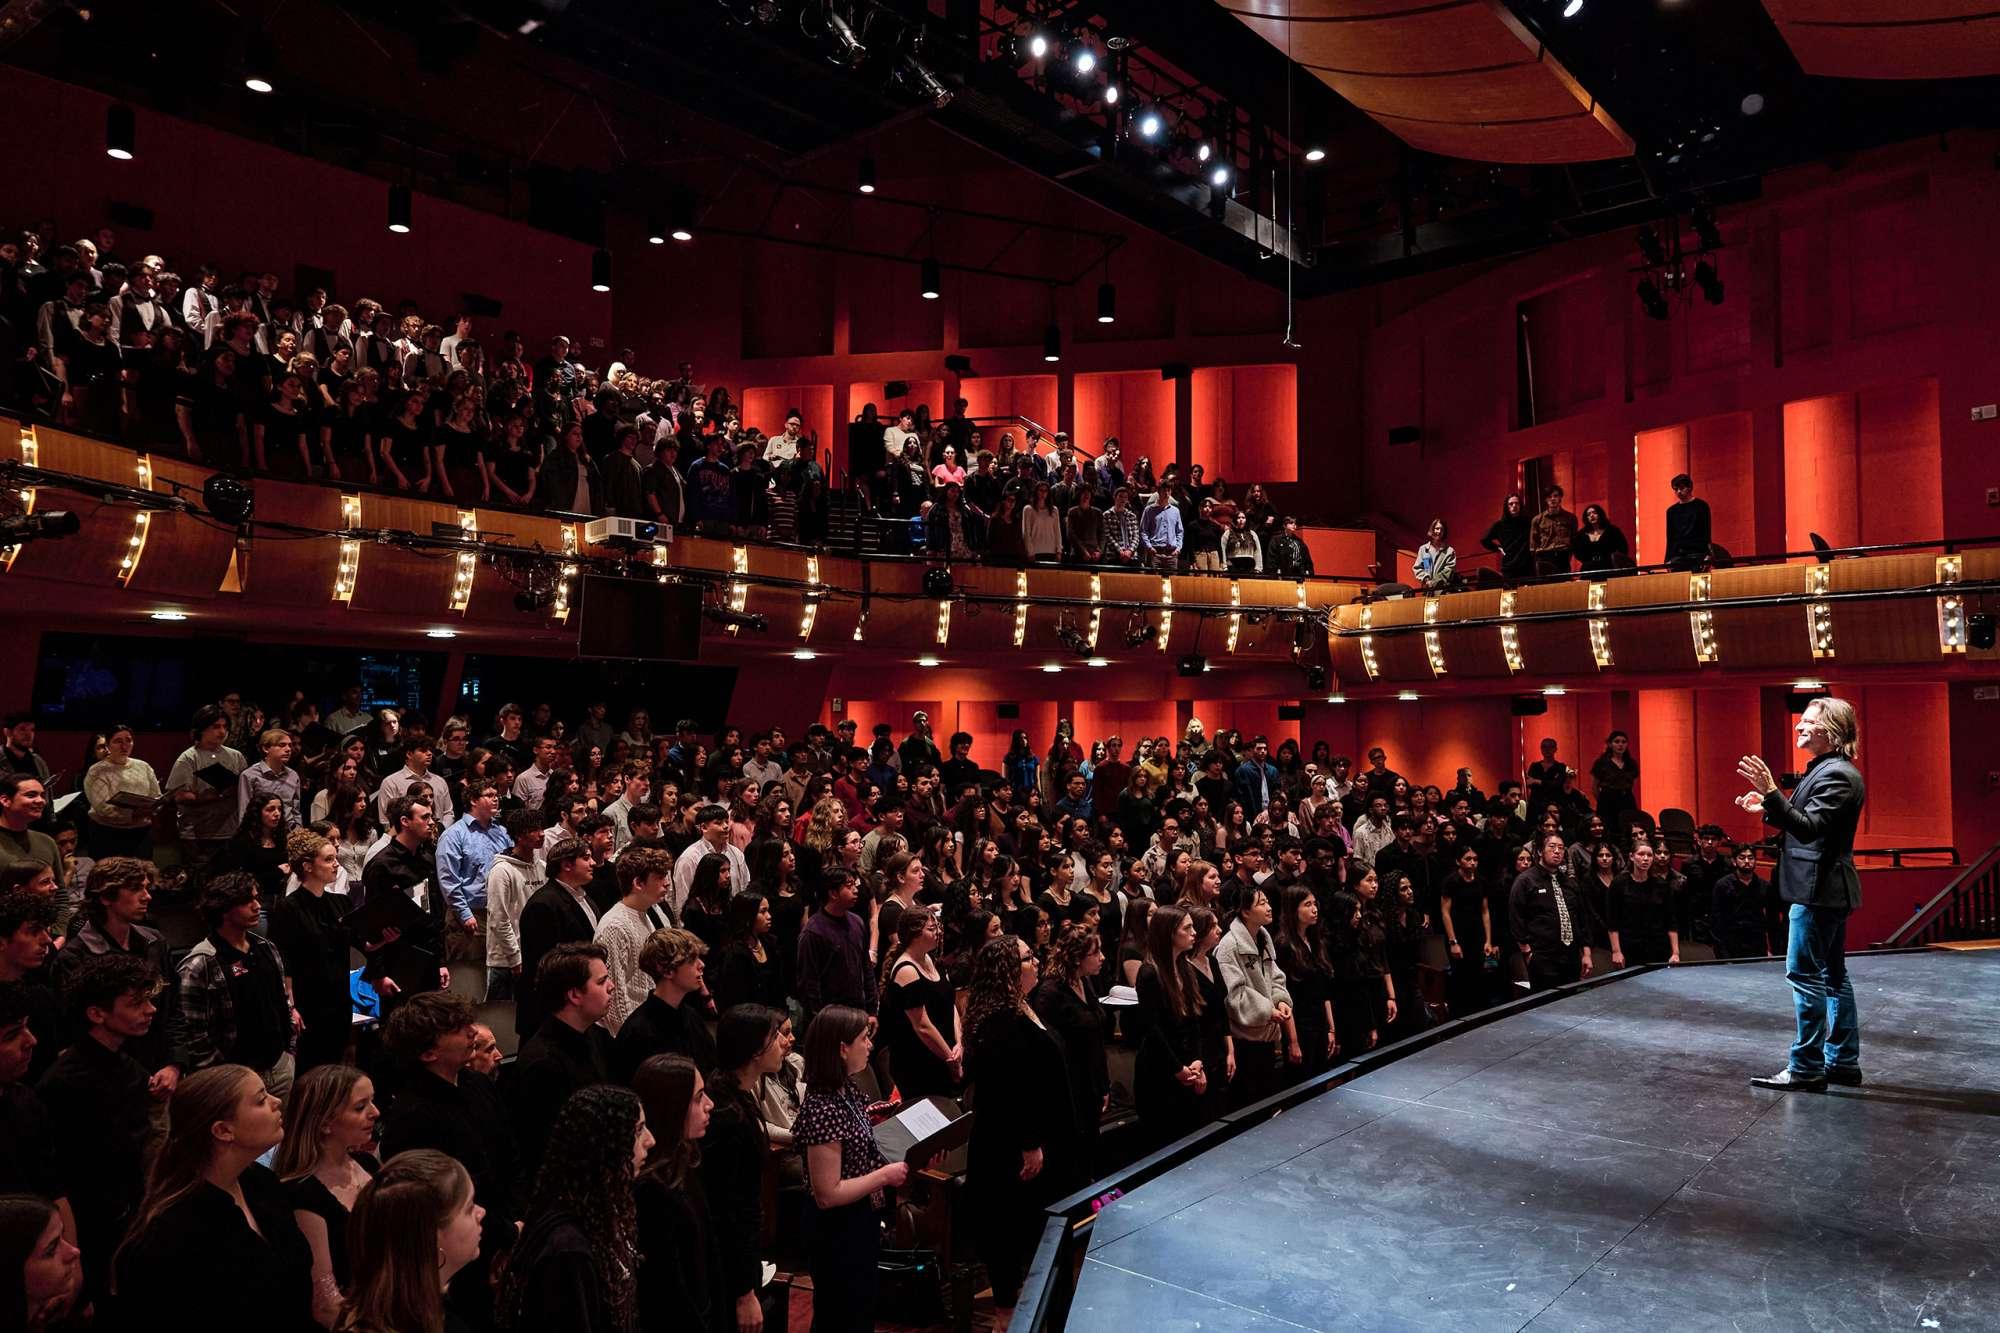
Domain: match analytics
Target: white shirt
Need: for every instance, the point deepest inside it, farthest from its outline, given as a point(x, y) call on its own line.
point(509, 884)
point(622, 932)
point(781, 448)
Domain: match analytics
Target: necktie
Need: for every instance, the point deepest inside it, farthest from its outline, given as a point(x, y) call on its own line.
point(1562, 910)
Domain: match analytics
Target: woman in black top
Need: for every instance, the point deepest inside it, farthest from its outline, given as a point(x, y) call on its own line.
point(1024, 1141)
point(404, 442)
point(511, 465)
point(707, 899)
point(326, 1160)
point(1643, 912)
point(285, 430)
point(347, 436)
point(1404, 926)
point(41, 1272)
point(422, 1201)
point(744, 970)
point(1353, 1010)
point(1067, 1000)
point(1599, 545)
point(774, 873)
point(1170, 1081)
point(458, 452)
point(1616, 772)
point(213, 1220)
point(681, 1272)
point(1468, 925)
point(259, 849)
point(1508, 537)
point(919, 1015)
point(751, 1043)
point(307, 926)
point(1132, 940)
point(1216, 1047)
point(1372, 939)
point(575, 1263)
point(1309, 978)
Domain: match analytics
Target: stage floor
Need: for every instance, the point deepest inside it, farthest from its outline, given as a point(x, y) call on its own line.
point(1603, 1163)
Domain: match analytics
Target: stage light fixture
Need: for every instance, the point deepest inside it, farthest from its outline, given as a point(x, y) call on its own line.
point(1703, 220)
point(1053, 668)
point(1098, 662)
point(1038, 45)
point(1052, 343)
point(399, 209)
point(937, 581)
point(1979, 630)
point(1107, 303)
point(1572, 8)
point(656, 231)
point(169, 615)
point(933, 279)
point(927, 661)
point(1650, 246)
point(867, 181)
point(1315, 154)
point(1143, 632)
point(1706, 278)
point(1072, 638)
point(1652, 299)
point(681, 219)
point(227, 499)
point(121, 133)
point(1219, 177)
point(923, 82)
point(804, 655)
point(259, 63)
point(732, 619)
point(1084, 60)
point(440, 634)
point(1202, 151)
point(1315, 678)
point(600, 271)
point(20, 529)
point(848, 49)
point(1408, 696)
point(1194, 664)
point(1111, 94)
point(1149, 124)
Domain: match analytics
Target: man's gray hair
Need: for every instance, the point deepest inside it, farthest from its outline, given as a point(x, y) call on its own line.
point(1842, 726)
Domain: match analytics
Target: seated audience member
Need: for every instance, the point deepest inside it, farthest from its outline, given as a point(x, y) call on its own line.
point(235, 997)
point(443, 1105)
point(419, 1203)
point(99, 1105)
point(570, 1050)
point(576, 1264)
point(673, 1019)
point(560, 912)
point(213, 1220)
point(325, 1162)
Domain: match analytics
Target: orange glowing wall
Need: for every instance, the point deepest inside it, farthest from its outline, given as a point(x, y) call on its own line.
point(1827, 489)
point(1905, 759)
point(1224, 398)
point(916, 393)
point(1688, 742)
point(1030, 396)
point(765, 409)
point(1137, 406)
point(1716, 452)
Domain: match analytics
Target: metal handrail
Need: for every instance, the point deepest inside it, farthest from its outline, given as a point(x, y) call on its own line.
point(1923, 924)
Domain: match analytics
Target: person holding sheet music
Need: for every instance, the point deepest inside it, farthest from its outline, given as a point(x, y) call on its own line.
point(122, 793)
point(202, 785)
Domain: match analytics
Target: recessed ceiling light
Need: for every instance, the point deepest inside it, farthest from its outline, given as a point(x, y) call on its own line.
point(1808, 684)
point(1753, 103)
point(257, 85)
point(1053, 668)
point(1554, 691)
point(927, 661)
point(1336, 698)
point(804, 655)
point(170, 615)
point(1315, 154)
point(440, 634)
point(1407, 696)
point(1098, 661)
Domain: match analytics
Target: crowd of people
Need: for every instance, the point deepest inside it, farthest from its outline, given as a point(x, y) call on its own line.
point(668, 914)
point(1554, 543)
point(244, 376)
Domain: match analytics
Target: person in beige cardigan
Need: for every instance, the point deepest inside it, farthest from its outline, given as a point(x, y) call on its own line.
point(1259, 1005)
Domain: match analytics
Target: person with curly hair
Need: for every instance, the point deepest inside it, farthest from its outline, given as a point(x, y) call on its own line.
point(1024, 1150)
point(576, 1264)
point(421, 1201)
point(1067, 1000)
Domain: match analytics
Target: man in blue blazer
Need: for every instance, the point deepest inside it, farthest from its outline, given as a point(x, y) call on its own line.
point(1815, 874)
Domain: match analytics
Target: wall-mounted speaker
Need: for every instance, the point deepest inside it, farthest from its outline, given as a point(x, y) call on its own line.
point(959, 364)
point(1291, 713)
point(896, 389)
point(1796, 700)
point(1528, 705)
point(1007, 712)
point(638, 620)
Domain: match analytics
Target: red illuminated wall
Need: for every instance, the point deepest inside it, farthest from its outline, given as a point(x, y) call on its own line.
point(1137, 406)
point(1030, 396)
point(1857, 466)
point(1245, 423)
point(767, 407)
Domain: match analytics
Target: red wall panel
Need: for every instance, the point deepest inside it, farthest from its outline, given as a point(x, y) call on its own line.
point(765, 408)
point(929, 393)
point(1898, 436)
point(1137, 406)
point(991, 732)
point(1820, 472)
point(1128, 719)
point(1430, 740)
point(1252, 717)
point(1662, 454)
point(1030, 396)
point(1245, 423)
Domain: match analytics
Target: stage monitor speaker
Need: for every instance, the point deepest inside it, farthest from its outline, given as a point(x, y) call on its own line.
point(1405, 434)
point(1796, 700)
point(638, 620)
point(1528, 705)
point(1007, 712)
point(1291, 712)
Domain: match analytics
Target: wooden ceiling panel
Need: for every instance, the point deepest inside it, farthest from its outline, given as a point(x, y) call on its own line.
point(1463, 79)
point(1891, 39)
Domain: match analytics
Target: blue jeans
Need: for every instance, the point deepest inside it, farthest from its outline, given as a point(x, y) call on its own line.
point(1822, 994)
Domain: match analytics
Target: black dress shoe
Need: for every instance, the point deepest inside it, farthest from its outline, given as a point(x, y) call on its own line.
point(1786, 1081)
point(1848, 1077)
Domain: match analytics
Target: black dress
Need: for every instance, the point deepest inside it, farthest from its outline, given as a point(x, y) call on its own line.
point(1213, 1025)
point(917, 1069)
point(1015, 1061)
point(1310, 981)
point(246, 1278)
point(1168, 1043)
point(307, 929)
point(1079, 1022)
point(733, 1155)
point(738, 978)
point(1353, 1014)
point(308, 1194)
point(681, 1266)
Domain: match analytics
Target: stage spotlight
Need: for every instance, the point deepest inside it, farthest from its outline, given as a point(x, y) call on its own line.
point(1052, 343)
point(121, 134)
point(682, 225)
point(1038, 45)
point(867, 182)
point(1704, 227)
point(1149, 124)
point(1706, 278)
point(1107, 303)
point(1650, 247)
point(1072, 638)
point(937, 582)
point(1651, 298)
point(1084, 60)
point(399, 209)
point(1315, 154)
point(1315, 678)
point(1194, 664)
point(600, 271)
point(1142, 633)
point(1572, 8)
point(923, 82)
point(1219, 177)
point(722, 615)
point(1979, 630)
point(534, 599)
point(1111, 94)
point(258, 63)
point(933, 281)
point(228, 500)
point(20, 529)
point(1201, 151)
point(848, 49)
point(656, 231)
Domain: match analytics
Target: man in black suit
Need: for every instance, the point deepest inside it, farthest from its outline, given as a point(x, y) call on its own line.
point(560, 912)
point(1815, 874)
point(570, 1050)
